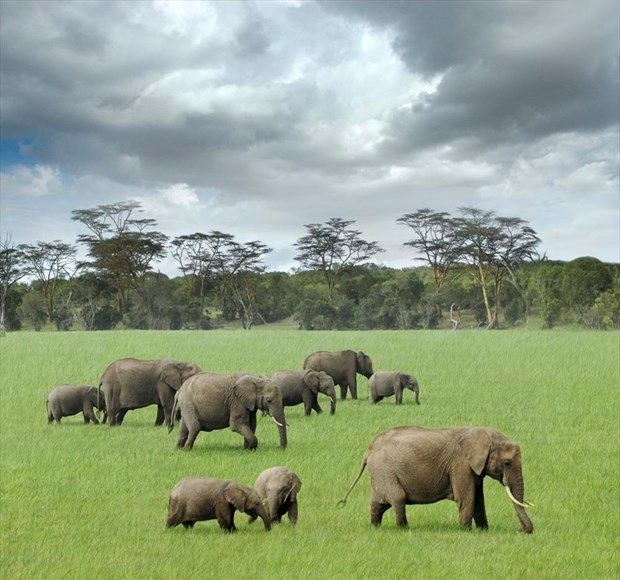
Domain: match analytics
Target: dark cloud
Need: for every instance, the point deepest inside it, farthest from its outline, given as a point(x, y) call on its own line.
point(263, 116)
point(510, 71)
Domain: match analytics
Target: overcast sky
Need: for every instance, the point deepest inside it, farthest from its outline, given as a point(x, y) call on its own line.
point(255, 118)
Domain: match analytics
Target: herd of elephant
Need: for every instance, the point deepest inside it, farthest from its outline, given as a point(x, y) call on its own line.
point(407, 465)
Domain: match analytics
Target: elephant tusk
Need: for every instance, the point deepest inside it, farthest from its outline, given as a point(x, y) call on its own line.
point(276, 421)
point(524, 504)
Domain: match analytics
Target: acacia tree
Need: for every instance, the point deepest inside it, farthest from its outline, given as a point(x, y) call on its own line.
point(217, 259)
point(493, 247)
point(332, 248)
point(49, 263)
point(488, 246)
point(437, 242)
point(198, 256)
point(12, 269)
point(121, 247)
point(239, 273)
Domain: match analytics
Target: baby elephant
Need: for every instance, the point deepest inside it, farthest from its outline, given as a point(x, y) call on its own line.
point(67, 400)
point(387, 383)
point(196, 499)
point(279, 487)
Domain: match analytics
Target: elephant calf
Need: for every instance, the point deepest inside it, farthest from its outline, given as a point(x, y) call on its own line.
point(67, 400)
point(304, 387)
point(387, 383)
point(279, 486)
point(196, 499)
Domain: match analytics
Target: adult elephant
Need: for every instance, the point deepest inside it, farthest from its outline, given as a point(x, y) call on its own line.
point(387, 383)
point(210, 401)
point(342, 366)
point(131, 383)
point(304, 387)
point(412, 465)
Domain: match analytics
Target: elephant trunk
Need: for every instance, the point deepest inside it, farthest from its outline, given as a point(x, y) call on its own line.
point(416, 392)
point(331, 393)
point(514, 488)
point(261, 512)
point(277, 415)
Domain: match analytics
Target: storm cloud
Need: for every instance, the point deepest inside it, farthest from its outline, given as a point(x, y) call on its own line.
point(259, 117)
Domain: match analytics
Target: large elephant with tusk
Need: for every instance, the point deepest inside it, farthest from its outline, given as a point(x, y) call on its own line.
point(413, 465)
point(210, 401)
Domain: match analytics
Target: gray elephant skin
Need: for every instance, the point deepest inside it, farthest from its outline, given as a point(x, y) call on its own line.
point(278, 488)
point(342, 366)
point(304, 387)
point(413, 465)
point(131, 383)
point(67, 400)
point(210, 401)
point(387, 383)
point(195, 499)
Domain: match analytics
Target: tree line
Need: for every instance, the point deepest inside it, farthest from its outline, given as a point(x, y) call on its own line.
point(474, 268)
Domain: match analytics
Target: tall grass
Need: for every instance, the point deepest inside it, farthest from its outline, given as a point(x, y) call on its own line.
point(85, 500)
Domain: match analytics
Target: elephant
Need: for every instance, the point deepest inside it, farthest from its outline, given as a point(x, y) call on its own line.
point(195, 499)
point(67, 400)
point(414, 465)
point(131, 383)
point(342, 366)
point(210, 401)
point(387, 383)
point(279, 486)
point(303, 387)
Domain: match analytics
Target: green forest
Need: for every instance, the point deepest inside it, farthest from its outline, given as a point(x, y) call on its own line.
point(475, 270)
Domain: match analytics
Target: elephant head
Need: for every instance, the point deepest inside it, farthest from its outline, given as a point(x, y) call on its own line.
point(321, 382)
point(411, 383)
point(253, 392)
point(245, 499)
point(363, 365)
point(490, 453)
point(174, 373)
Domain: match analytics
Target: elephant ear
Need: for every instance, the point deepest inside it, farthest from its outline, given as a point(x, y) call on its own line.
point(476, 445)
point(245, 390)
point(312, 381)
point(236, 496)
point(171, 376)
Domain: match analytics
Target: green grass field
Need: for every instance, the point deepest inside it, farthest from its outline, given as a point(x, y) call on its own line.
point(90, 501)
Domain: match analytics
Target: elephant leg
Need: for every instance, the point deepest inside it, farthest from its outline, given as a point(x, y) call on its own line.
point(183, 433)
point(188, 524)
point(293, 512)
point(246, 430)
point(120, 416)
point(377, 510)
point(161, 416)
point(343, 391)
point(89, 415)
point(193, 429)
point(226, 517)
point(113, 408)
point(480, 513)
point(400, 513)
point(316, 406)
point(353, 387)
point(308, 399)
point(465, 502)
point(399, 397)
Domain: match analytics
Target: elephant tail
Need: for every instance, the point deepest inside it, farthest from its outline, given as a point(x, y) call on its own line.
point(343, 501)
point(173, 413)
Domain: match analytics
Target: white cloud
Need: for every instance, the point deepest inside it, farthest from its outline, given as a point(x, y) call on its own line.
point(36, 181)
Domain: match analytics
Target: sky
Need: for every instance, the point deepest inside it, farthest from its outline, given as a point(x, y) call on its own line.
point(256, 118)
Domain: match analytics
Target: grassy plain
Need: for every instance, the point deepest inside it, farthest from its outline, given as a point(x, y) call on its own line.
point(90, 501)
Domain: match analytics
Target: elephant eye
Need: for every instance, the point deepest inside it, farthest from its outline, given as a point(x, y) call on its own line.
point(507, 462)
